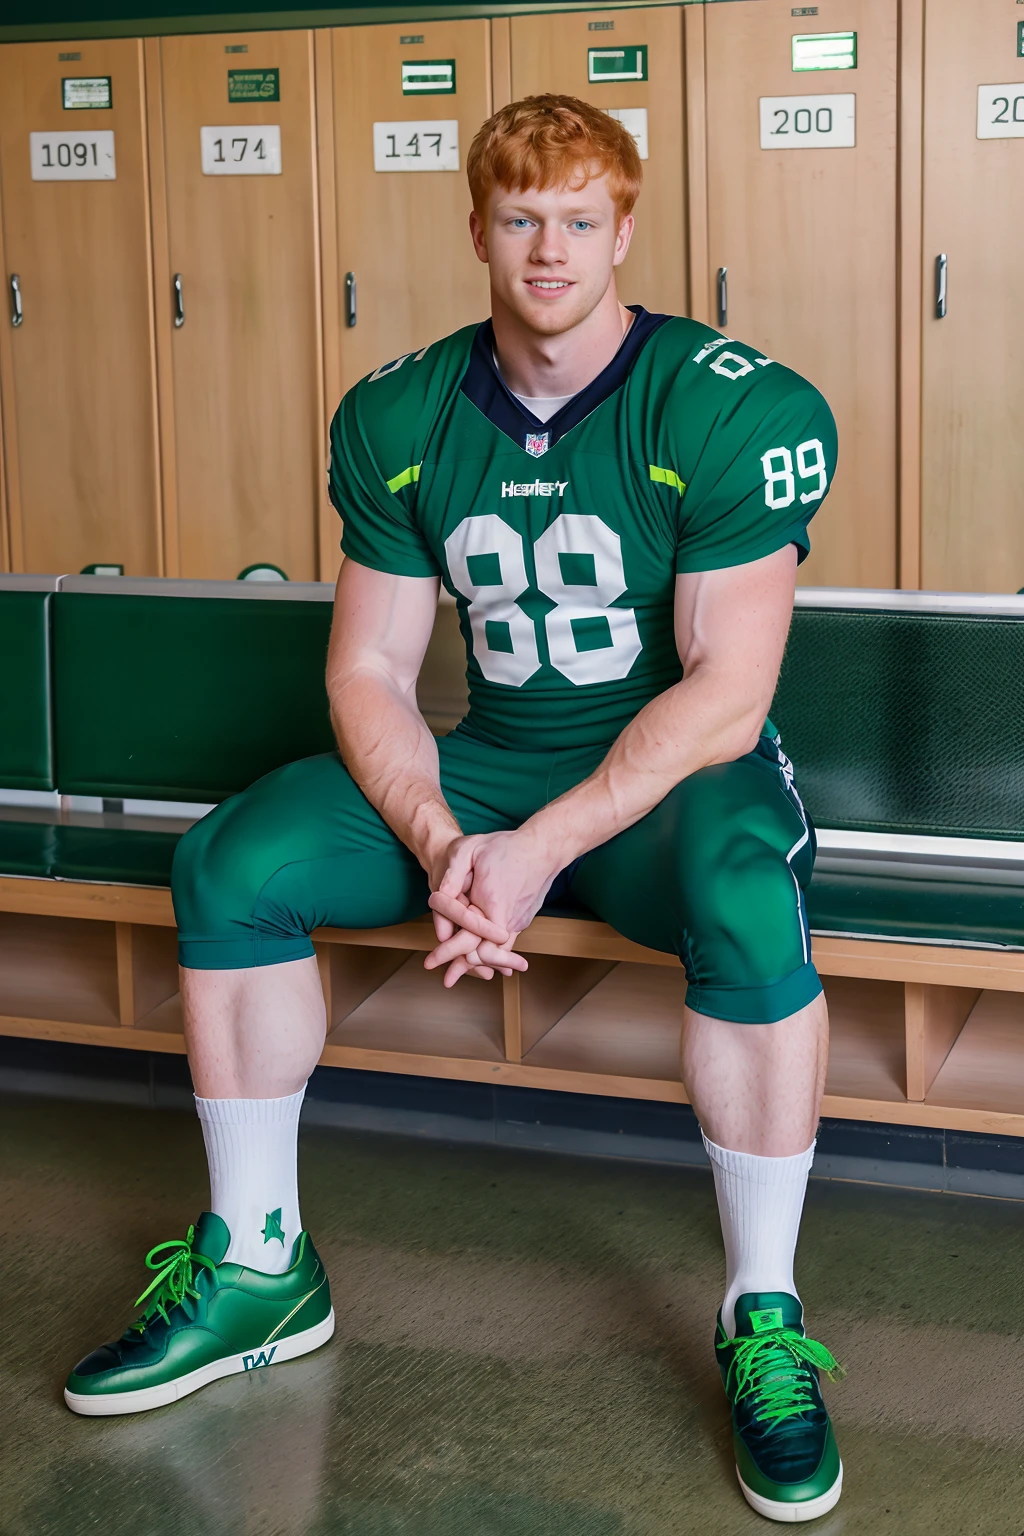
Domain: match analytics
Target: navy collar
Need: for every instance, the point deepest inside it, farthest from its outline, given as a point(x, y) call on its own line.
point(484, 386)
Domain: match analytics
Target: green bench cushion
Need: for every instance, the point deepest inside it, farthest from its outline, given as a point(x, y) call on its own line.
point(26, 747)
point(182, 698)
point(27, 848)
point(906, 722)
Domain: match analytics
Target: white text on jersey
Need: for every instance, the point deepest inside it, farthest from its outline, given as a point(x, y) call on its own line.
point(535, 488)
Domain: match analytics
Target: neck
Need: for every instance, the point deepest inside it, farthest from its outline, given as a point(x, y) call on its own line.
point(536, 365)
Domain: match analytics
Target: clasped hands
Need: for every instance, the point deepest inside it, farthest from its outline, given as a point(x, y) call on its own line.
point(486, 889)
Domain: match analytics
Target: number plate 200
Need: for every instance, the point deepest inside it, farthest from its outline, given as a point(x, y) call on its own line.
point(809, 122)
point(251, 150)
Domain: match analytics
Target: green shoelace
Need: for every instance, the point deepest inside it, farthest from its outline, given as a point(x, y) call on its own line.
point(175, 1278)
point(771, 1368)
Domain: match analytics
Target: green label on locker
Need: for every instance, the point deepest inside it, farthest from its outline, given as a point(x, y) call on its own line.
point(1020, 39)
point(254, 85)
point(617, 64)
point(88, 91)
point(428, 77)
point(825, 50)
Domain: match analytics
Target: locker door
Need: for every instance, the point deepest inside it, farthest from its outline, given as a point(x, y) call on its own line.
point(78, 373)
point(806, 229)
point(244, 442)
point(972, 465)
point(403, 234)
point(562, 53)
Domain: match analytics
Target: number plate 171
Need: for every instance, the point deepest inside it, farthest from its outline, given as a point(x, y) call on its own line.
point(809, 122)
point(409, 146)
point(241, 151)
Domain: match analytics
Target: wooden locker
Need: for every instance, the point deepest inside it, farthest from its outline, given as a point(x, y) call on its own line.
point(78, 374)
point(552, 53)
point(807, 236)
point(972, 461)
point(232, 125)
point(398, 259)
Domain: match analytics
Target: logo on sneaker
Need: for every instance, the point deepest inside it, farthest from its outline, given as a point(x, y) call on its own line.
point(250, 1362)
point(273, 1227)
point(765, 1321)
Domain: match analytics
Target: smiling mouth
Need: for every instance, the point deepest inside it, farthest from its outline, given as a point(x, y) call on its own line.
point(548, 284)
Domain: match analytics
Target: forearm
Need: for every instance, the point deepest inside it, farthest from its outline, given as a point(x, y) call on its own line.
point(698, 722)
point(390, 753)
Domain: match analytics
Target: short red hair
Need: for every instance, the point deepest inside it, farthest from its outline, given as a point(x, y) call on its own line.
point(553, 141)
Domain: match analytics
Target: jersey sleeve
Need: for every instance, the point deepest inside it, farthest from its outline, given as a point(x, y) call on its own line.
point(764, 469)
point(376, 500)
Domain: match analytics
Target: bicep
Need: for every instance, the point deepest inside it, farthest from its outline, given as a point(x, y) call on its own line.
point(736, 620)
point(382, 622)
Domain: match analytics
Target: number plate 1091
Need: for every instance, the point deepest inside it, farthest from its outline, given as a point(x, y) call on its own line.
point(809, 122)
point(84, 156)
point(254, 150)
point(408, 146)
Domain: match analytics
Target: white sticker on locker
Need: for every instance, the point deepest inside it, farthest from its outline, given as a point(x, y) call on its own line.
point(809, 122)
point(411, 146)
point(84, 156)
point(1001, 111)
point(239, 150)
point(635, 119)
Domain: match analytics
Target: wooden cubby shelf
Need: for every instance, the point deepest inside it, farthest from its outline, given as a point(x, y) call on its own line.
point(921, 1035)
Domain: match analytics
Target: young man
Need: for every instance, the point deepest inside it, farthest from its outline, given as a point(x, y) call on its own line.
point(618, 502)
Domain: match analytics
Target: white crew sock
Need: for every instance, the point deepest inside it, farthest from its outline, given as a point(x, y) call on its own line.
point(252, 1152)
point(760, 1200)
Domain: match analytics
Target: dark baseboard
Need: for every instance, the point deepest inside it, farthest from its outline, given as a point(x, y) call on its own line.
point(583, 1125)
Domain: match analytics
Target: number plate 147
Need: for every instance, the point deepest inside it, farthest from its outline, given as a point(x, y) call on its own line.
point(809, 122)
point(409, 146)
point(254, 150)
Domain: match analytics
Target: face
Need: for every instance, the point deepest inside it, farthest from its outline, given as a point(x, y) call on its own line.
point(551, 254)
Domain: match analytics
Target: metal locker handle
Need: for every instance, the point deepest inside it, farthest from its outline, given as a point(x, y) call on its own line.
point(179, 303)
point(350, 299)
point(940, 287)
point(723, 296)
point(17, 313)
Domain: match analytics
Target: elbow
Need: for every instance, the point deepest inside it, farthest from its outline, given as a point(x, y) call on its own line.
point(741, 736)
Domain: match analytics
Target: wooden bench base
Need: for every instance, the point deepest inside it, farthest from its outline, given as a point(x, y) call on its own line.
point(921, 1034)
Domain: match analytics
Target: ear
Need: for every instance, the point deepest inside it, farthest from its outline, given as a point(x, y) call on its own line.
point(476, 229)
point(622, 240)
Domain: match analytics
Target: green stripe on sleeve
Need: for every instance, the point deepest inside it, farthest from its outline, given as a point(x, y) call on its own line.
point(665, 477)
point(405, 478)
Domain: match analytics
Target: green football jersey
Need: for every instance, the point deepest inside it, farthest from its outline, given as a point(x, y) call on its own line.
point(561, 540)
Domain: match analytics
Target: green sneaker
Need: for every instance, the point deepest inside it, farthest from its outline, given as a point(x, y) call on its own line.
point(787, 1460)
point(205, 1319)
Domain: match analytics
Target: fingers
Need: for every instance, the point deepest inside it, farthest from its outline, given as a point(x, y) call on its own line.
point(462, 914)
point(459, 874)
point(465, 954)
point(443, 927)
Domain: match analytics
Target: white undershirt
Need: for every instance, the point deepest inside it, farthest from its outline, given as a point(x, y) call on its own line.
point(544, 406)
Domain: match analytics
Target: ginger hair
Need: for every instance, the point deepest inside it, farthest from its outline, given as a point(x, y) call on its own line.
point(553, 141)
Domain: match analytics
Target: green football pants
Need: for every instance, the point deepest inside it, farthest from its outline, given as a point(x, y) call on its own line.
point(714, 874)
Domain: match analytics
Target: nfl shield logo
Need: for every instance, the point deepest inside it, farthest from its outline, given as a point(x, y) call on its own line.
point(537, 443)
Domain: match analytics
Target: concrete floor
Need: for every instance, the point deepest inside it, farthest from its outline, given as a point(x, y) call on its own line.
point(523, 1348)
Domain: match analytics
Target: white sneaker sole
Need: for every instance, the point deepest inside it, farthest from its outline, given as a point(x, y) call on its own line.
point(776, 1509)
point(144, 1398)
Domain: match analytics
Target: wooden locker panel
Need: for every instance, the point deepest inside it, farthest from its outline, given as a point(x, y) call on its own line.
point(244, 429)
point(404, 235)
point(78, 375)
point(808, 237)
point(972, 463)
point(549, 53)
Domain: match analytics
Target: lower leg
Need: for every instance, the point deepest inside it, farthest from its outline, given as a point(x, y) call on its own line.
point(757, 1091)
point(253, 1038)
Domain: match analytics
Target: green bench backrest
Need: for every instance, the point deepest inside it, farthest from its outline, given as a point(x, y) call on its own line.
point(908, 721)
point(186, 697)
point(26, 737)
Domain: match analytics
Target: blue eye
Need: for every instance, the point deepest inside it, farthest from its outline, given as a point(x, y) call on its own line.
point(580, 224)
point(520, 223)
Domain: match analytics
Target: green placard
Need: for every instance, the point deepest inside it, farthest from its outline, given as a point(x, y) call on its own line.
point(87, 91)
point(616, 64)
point(825, 50)
point(428, 77)
point(1020, 39)
point(254, 85)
